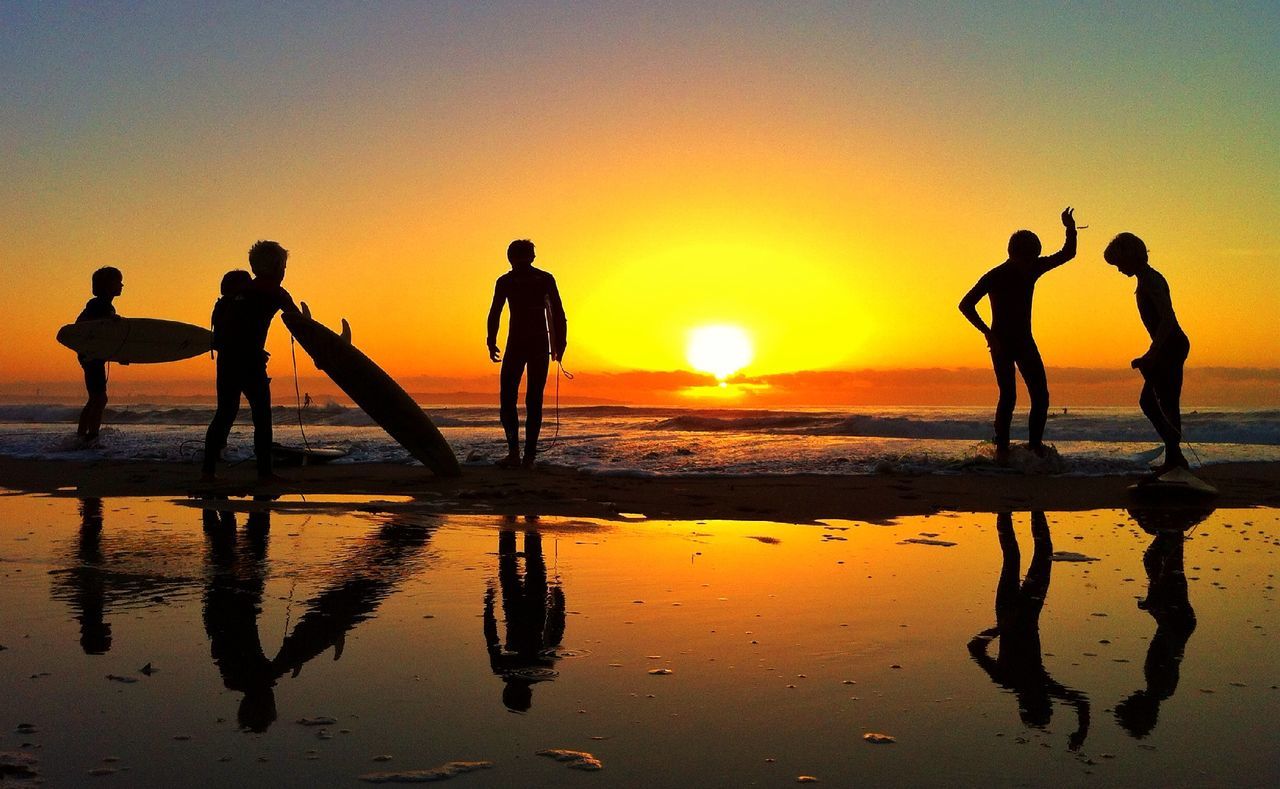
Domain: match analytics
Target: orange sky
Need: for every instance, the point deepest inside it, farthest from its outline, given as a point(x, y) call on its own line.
point(830, 180)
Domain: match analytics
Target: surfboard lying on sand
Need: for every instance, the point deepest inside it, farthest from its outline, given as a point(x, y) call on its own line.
point(374, 391)
point(136, 340)
point(304, 456)
point(1175, 482)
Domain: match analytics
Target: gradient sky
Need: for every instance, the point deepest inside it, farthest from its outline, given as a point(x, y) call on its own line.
point(830, 178)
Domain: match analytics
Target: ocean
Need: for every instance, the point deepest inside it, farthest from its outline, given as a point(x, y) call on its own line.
point(634, 440)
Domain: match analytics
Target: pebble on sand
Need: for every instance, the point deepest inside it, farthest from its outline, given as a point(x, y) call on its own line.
point(575, 760)
point(659, 672)
point(1072, 556)
point(806, 779)
point(926, 541)
point(19, 764)
point(98, 771)
point(441, 773)
point(125, 680)
point(876, 738)
point(319, 720)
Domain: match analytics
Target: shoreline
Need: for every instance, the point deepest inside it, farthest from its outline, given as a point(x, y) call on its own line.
point(566, 492)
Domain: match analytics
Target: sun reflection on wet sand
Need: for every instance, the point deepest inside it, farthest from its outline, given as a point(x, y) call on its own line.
point(294, 645)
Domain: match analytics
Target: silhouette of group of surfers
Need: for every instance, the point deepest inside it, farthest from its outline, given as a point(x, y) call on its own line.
point(1010, 288)
point(537, 336)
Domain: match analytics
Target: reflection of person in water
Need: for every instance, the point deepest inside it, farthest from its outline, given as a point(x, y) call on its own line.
point(1168, 603)
point(89, 584)
point(232, 602)
point(365, 577)
point(1020, 664)
point(534, 616)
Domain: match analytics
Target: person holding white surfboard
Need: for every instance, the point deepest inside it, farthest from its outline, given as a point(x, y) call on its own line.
point(241, 321)
point(1161, 366)
point(107, 283)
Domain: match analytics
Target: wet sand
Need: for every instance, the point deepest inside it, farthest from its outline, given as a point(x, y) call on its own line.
point(551, 490)
point(145, 643)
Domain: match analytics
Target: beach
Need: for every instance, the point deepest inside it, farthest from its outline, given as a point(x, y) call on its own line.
point(387, 627)
point(551, 490)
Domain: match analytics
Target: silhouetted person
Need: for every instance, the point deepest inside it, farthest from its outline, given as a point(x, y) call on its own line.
point(88, 581)
point(241, 319)
point(232, 602)
point(536, 331)
point(107, 283)
point(1020, 664)
point(534, 615)
point(1168, 603)
point(1161, 366)
point(1010, 286)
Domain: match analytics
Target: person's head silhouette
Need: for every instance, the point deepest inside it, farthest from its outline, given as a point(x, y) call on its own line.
point(1126, 252)
point(267, 259)
point(1024, 245)
point(520, 253)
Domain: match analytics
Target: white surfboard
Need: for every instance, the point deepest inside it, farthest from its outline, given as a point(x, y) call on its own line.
point(1175, 482)
point(136, 340)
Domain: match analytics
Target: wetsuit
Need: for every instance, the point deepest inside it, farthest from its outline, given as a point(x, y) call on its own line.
point(532, 296)
point(240, 324)
point(95, 370)
point(1162, 374)
point(1011, 286)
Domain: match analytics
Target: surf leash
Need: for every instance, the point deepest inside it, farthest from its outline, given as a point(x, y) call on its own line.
point(1177, 429)
point(297, 391)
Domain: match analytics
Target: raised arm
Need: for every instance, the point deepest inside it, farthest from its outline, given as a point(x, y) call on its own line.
point(1068, 250)
point(495, 316)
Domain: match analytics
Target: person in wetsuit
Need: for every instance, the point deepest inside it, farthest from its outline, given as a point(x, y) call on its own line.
point(1011, 286)
point(107, 283)
point(241, 319)
point(1161, 366)
point(536, 333)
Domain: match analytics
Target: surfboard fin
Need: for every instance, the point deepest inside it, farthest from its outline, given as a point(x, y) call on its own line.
point(346, 331)
point(306, 311)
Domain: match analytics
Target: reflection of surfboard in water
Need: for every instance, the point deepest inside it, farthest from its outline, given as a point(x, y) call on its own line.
point(136, 340)
point(1174, 483)
point(374, 391)
point(304, 456)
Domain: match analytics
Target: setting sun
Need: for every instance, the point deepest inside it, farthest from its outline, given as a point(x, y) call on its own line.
point(719, 350)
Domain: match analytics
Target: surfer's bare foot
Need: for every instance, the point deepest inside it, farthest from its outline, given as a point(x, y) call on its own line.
point(1038, 450)
point(530, 459)
point(208, 476)
point(1170, 465)
point(510, 461)
point(272, 479)
point(1002, 456)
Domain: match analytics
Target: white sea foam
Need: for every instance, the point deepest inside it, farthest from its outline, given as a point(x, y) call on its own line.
point(664, 441)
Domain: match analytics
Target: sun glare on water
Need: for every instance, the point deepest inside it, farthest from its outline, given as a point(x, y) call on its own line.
point(719, 350)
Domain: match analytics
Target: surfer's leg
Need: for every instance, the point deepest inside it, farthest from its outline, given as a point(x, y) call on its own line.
point(1164, 380)
point(539, 363)
point(95, 383)
point(1003, 364)
point(257, 390)
point(215, 438)
point(1032, 367)
point(508, 394)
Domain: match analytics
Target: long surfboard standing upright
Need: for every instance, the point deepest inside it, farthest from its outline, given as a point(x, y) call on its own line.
point(374, 391)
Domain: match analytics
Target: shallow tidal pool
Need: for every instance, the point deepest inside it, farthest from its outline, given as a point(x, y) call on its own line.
point(149, 642)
